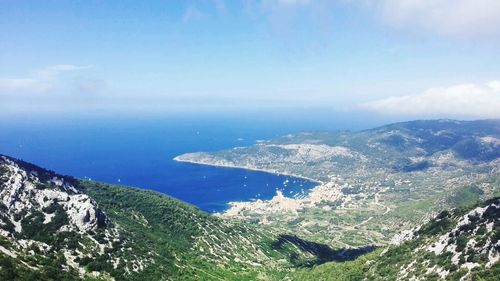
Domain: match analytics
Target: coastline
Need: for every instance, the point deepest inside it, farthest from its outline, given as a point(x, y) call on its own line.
point(278, 203)
point(247, 168)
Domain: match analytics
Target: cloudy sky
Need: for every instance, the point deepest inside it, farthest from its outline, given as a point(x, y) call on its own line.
point(414, 58)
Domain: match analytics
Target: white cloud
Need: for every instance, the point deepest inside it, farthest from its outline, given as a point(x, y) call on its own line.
point(469, 20)
point(89, 85)
point(192, 13)
point(293, 2)
point(203, 9)
point(473, 100)
point(52, 71)
point(23, 85)
point(41, 81)
point(220, 6)
point(462, 19)
point(66, 67)
point(458, 18)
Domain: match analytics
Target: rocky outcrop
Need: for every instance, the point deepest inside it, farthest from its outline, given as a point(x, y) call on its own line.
point(27, 192)
point(455, 241)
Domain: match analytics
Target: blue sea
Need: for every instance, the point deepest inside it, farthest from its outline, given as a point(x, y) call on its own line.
point(138, 152)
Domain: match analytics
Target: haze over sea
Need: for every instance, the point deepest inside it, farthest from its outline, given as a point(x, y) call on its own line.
point(139, 152)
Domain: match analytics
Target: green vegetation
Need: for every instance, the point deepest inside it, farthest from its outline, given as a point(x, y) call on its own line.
point(171, 233)
point(465, 195)
point(412, 259)
point(49, 267)
point(388, 179)
point(392, 178)
point(349, 270)
point(149, 225)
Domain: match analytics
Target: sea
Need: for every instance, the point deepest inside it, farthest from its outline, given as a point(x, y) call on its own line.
point(139, 152)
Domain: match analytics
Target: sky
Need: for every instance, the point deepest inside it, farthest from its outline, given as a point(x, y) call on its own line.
point(407, 58)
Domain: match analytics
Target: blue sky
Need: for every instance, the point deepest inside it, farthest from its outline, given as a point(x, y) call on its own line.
point(414, 58)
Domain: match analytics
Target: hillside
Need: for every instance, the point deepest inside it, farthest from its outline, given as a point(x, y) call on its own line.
point(54, 227)
point(373, 183)
point(460, 244)
point(393, 203)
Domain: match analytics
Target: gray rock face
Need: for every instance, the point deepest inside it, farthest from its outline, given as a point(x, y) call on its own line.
point(26, 192)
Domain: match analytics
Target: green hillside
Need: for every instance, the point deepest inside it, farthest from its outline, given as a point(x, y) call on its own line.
point(461, 244)
point(141, 235)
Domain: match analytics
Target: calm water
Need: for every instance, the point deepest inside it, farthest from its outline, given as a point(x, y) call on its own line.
point(139, 153)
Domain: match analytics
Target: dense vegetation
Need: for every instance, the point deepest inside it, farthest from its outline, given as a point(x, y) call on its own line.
point(411, 259)
point(154, 224)
point(144, 236)
point(49, 266)
point(157, 226)
point(167, 229)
